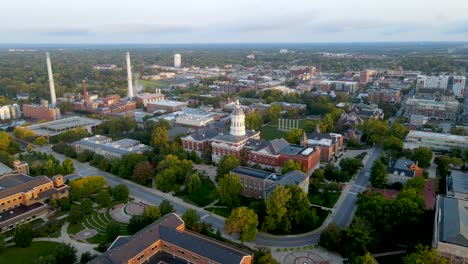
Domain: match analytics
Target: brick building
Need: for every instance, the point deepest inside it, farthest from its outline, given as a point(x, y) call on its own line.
point(259, 183)
point(22, 198)
point(145, 98)
point(167, 241)
point(39, 112)
point(433, 109)
point(330, 144)
point(384, 96)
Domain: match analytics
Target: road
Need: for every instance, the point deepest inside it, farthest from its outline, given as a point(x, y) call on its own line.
point(341, 215)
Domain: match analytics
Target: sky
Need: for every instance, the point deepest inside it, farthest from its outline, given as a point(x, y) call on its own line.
point(234, 21)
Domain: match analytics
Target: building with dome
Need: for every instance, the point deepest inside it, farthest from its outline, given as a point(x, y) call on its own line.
point(246, 145)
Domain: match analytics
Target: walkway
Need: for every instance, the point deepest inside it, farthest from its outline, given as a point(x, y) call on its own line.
point(64, 238)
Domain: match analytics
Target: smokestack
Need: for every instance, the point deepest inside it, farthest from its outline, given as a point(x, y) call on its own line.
point(129, 77)
point(85, 93)
point(53, 100)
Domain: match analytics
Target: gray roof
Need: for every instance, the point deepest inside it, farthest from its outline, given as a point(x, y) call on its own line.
point(401, 165)
point(260, 174)
point(274, 146)
point(4, 169)
point(454, 221)
point(457, 182)
point(318, 136)
point(122, 147)
point(204, 134)
point(293, 178)
point(201, 246)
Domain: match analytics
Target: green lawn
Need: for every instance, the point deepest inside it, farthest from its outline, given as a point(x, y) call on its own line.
point(17, 255)
point(270, 131)
point(321, 199)
point(224, 212)
point(153, 84)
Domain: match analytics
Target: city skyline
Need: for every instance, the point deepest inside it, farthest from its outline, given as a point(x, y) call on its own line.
point(232, 22)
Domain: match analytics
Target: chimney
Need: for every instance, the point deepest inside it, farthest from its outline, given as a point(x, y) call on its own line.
point(53, 100)
point(85, 93)
point(129, 77)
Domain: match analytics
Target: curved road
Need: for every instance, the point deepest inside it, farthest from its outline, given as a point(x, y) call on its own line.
point(342, 213)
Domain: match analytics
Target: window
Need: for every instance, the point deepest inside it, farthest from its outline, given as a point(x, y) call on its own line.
point(180, 251)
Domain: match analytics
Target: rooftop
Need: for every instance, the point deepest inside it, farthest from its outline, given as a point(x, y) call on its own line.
point(4, 169)
point(61, 125)
point(123, 146)
point(234, 139)
point(453, 226)
point(168, 103)
point(422, 134)
point(457, 182)
point(12, 184)
point(260, 174)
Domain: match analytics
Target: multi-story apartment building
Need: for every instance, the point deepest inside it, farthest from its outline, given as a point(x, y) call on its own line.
point(49, 113)
point(384, 96)
point(111, 150)
point(259, 183)
point(442, 83)
point(167, 241)
point(330, 144)
point(339, 86)
point(364, 76)
point(433, 109)
point(458, 86)
point(22, 197)
point(435, 141)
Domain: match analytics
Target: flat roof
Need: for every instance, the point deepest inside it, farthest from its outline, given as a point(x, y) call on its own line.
point(168, 103)
point(457, 182)
point(260, 174)
point(59, 126)
point(292, 150)
point(414, 133)
point(22, 209)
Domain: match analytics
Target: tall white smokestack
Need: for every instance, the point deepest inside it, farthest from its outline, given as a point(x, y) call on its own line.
point(53, 100)
point(129, 77)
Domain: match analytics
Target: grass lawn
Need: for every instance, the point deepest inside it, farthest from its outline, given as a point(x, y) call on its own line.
point(224, 212)
point(74, 228)
point(270, 131)
point(18, 255)
point(153, 84)
point(321, 199)
point(205, 196)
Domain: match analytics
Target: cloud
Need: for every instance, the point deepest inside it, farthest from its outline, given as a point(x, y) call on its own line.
point(147, 28)
point(66, 32)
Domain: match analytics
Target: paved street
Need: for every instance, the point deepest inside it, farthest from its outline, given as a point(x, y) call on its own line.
point(342, 215)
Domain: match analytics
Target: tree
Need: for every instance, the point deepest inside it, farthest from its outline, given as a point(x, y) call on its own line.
point(254, 121)
point(294, 136)
point(112, 231)
point(358, 236)
point(75, 215)
point(166, 207)
point(291, 165)
point(23, 235)
point(166, 180)
point(263, 256)
point(160, 137)
point(399, 130)
point(151, 213)
point(393, 143)
point(194, 184)
point(424, 255)
point(128, 163)
point(373, 130)
point(350, 166)
point(276, 207)
point(378, 174)
point(65, 254)
point(273, 112)
point(243, 221)
point(229, 189)
point(137, 222)
point(68, 166)
point(416, 183)
point(120, 193)
point(191, 218)
point(40, 141)
point(423, 155)
point(2, 243)
point(143, 173)
point(49, 168)
point(4, 141)
point(86, 205)
point(331, 237)
point(103, 198)
point(86, 257)
point(226, 164)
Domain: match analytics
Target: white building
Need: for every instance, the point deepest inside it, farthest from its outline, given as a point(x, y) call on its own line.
point(5, 112)
point(458, 87)
point(10, 112)
point(432, 82)
point(194, 120)
point(177, 60)
point(110, 150)
point(435, 141)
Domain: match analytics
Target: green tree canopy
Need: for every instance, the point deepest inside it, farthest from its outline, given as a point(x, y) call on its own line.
point(225, 165)
point(23, 235)
point(254, 121)
point(378, 174)
point(423, 155)
point(291, 165)
point(243, 221)
point(424, 255)
point(65, 254)
point(229, 189)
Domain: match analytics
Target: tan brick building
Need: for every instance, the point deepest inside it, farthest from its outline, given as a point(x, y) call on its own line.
point(167, 241)
point(22, 197)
